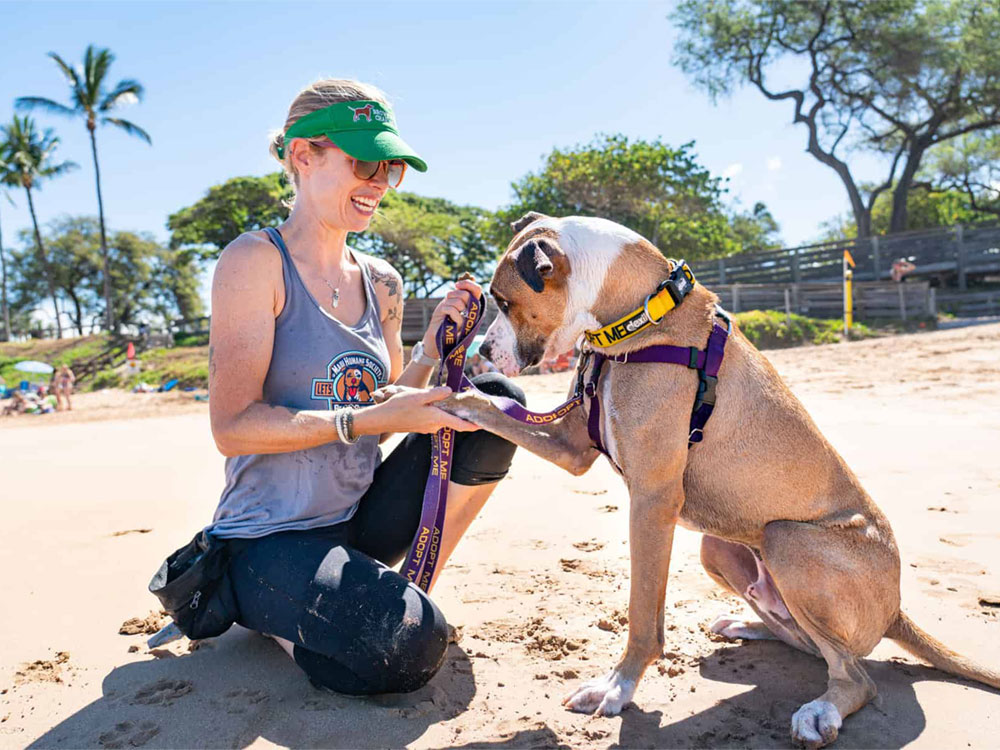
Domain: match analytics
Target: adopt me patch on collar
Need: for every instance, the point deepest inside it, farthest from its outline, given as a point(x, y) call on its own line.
point(667, 296)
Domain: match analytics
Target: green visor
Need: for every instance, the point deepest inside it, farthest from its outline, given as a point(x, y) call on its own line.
point(365, 130)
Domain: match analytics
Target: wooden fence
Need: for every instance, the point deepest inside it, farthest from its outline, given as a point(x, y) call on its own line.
point(945, 252)
point(873, 300)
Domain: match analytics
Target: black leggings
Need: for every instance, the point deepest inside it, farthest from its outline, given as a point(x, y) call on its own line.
point(359, 627)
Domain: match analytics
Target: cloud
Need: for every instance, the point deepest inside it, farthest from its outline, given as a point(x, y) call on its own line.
point(773, 163)
point(732, 170)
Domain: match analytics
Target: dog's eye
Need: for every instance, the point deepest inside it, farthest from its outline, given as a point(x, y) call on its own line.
point(502, 304)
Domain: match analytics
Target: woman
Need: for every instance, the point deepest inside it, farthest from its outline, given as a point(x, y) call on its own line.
point(63, 387)
point(303, 328)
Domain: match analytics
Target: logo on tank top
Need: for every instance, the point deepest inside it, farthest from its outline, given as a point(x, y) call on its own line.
point(351, 379)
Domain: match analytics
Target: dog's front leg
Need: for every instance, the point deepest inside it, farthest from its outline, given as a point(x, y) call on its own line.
point(652, 519)
point(565, 441)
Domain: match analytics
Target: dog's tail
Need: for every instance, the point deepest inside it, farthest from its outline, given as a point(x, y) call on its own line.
point(919, 643)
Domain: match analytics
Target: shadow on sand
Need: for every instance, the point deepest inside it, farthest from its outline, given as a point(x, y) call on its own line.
point(241, 687)
point(782, 680)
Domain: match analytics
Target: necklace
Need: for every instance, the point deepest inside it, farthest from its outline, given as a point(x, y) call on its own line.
point(335, 290)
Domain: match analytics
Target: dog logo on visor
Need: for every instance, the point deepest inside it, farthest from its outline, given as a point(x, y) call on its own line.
point(351, 379)
point(359, 112)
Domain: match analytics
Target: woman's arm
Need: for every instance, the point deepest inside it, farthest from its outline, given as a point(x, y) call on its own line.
point(244, 306)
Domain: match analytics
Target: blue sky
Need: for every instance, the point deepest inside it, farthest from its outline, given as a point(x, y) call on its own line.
point(482, 90)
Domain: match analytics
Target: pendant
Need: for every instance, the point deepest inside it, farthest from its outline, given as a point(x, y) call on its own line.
point(336, 297)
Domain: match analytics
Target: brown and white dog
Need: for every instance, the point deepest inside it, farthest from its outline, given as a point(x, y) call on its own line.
point(787, 524)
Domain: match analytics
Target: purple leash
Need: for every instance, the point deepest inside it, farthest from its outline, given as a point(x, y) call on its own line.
point(453, 347)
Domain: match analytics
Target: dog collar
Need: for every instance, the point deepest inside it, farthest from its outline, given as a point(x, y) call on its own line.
point(667, 296)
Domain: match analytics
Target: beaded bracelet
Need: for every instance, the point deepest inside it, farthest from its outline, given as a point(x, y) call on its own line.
point(343, 420)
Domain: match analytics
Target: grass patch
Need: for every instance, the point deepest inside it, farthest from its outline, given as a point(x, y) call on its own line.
point(54, 352)
point(189, 364)
point(773, 329)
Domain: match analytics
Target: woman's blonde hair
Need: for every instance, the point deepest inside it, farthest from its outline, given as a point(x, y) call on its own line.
point(317, 95)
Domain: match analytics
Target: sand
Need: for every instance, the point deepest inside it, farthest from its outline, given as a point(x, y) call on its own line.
point(538, 589)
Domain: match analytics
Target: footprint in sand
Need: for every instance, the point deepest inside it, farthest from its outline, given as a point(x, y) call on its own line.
point(238, 701)
point(129, 734)
point(162, 692)
point(592, 546)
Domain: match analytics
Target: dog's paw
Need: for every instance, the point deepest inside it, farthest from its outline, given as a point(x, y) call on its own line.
point(605, 696)
point(734, 628)
point(816, 724)
point(468, 405)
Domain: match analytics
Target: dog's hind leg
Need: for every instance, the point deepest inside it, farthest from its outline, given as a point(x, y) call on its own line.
point(841, 585)
point(735, 568)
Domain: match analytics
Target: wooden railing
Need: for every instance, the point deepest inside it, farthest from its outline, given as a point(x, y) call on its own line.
point(958, 252)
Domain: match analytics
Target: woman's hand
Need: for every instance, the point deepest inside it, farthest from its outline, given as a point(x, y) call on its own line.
point(453, 306)
point(402, 409)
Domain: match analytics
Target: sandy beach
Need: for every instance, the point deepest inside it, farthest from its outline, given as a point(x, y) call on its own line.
point(538, 590)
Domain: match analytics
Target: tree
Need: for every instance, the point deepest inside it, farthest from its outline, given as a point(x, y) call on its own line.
point(29, 154)
point(91, 100)
point(927, 209)
point(890, 77)
point(7, 179)
point(430, 241)
point(756, 230)
point(242, 204)
point(970, 164)
point(659, 191)
point(74, 249)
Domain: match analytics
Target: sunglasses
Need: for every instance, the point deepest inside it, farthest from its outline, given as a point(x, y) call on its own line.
point(395, 169)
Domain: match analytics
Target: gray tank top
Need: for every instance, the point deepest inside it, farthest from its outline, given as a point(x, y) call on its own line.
point(317, 363)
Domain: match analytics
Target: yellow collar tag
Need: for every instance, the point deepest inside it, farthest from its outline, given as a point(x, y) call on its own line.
point(667, 296)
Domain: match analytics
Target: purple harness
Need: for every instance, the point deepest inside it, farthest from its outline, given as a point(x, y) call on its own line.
point(453, 346)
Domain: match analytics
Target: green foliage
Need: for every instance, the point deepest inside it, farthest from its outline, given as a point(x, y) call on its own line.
point(188, 364)
point(660, 191)
point(970, 165)
point(105, 379)
point(90, 97)
point(926, 210)
point(755, 230)
point(773, 329)
point(55, 352)
point(893, 78)
point(190, 339)
point(430, 241)
point(241, 204)
point(150, 281)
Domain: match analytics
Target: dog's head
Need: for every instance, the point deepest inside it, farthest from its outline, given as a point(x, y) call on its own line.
point(353, 377)
point(546, 284)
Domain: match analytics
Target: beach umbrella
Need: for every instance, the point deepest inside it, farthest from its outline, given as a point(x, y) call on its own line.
point(475, 344)
point(31, 365)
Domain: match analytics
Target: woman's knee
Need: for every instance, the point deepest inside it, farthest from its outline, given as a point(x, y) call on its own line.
point(400, 662)
point(496, 384)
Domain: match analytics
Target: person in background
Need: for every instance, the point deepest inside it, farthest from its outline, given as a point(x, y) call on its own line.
point(64, 380)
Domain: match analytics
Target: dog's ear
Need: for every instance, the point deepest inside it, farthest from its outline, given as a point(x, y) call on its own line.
point(528, 218)
point(534, 263)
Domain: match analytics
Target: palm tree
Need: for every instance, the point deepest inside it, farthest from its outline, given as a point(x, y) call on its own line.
point(28, 155)
point(91, 100)
point(7, 179)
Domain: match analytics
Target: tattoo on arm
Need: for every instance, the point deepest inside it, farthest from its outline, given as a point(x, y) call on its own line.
point(390, 279)
point(396, 311)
